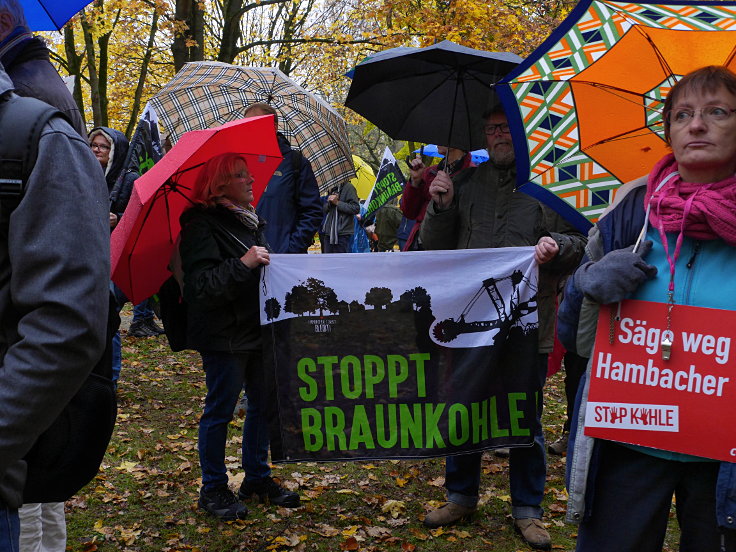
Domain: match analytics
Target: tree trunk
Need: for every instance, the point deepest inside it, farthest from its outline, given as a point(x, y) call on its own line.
point(135, 110)
point(188, 44)
point(74, 67)
point(94, 81)
point(103, 42)
point(231, 34)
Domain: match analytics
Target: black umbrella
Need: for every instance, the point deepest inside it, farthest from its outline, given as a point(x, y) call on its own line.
point(433, 95)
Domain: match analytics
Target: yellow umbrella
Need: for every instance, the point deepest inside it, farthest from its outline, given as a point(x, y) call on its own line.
point(364, 179)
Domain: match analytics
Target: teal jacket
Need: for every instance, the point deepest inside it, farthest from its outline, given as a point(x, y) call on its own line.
point(703, 277)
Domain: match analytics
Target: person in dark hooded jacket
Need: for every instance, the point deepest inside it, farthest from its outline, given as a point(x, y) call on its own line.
point(110, 147)
point(26, 62)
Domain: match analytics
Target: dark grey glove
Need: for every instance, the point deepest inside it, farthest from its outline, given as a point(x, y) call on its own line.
point(616, 276)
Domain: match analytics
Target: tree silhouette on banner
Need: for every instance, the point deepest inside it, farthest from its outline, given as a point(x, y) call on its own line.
point(378, 297)
point(272, 308)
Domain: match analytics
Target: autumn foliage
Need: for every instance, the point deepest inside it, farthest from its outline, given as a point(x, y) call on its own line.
point(122, 51)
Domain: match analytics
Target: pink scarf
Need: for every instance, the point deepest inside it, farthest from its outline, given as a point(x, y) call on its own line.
point(712, 211)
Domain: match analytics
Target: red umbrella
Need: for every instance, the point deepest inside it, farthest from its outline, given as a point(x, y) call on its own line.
point(141, 244)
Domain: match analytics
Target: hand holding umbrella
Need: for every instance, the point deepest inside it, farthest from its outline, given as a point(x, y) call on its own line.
point(442, 190)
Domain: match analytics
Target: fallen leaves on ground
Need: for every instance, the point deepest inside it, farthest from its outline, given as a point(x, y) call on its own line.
point(145, 497)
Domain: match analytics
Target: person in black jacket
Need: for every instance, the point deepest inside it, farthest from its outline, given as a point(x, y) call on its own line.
point(290, 204)
point(222, 250)
point(340, 207)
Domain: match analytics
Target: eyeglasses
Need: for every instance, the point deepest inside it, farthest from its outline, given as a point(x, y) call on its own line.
point(683, 116)
point(491, 129)
point(101, 147)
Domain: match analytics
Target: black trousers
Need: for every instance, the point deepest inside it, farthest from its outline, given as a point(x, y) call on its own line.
point(632, 498)
point(575, 366)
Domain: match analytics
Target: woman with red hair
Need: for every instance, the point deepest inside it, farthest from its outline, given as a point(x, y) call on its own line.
point(222, 250)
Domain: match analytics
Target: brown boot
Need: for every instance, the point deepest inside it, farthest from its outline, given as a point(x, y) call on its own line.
point(447, 514)
point(533, 532)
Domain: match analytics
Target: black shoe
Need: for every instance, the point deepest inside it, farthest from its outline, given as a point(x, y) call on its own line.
point(222, 504)
point(267, 490)
point(138, 328)
point(153, 327)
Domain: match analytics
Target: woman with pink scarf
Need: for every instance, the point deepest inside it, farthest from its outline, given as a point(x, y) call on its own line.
point(670, 241)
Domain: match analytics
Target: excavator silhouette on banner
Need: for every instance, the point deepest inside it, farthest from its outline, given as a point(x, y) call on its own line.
point(447, 330)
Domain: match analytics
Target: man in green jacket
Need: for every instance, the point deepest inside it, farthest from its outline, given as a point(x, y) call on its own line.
point(480, 208)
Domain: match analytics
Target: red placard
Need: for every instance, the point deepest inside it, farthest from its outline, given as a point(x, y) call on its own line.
point(684, 404)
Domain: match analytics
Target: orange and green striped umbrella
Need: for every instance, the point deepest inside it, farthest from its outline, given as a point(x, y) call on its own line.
point(586, 107)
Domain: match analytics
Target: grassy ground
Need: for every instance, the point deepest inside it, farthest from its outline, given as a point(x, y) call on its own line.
point(144, 498)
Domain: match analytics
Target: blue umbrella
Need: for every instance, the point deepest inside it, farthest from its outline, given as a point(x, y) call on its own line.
point(479, 156)
point(50, 15)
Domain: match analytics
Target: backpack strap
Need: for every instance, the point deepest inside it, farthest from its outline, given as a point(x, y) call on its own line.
point(21, 122)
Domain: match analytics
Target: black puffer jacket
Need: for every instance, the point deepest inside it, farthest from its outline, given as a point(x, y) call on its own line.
point(220, 291)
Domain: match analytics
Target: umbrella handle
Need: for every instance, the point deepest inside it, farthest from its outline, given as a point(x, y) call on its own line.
point(441, 194)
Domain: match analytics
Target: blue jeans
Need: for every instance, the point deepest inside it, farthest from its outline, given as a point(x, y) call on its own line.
point(142, 311)
point(9, 530)
point(117, 346)
point(225, 374)
point(527, 472)
point(117, 357)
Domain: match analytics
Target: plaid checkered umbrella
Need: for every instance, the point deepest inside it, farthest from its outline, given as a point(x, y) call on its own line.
point(586, 107)
point(207, 94)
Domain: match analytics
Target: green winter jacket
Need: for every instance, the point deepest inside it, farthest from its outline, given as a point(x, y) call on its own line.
point(488, 211)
